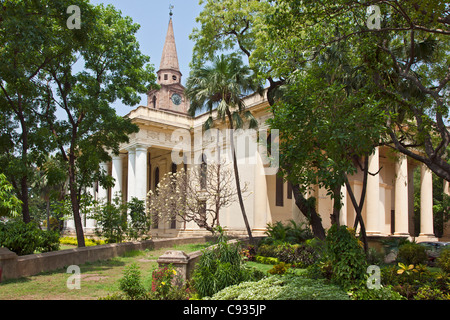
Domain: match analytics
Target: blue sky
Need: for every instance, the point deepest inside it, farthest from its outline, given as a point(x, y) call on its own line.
point(153, 17)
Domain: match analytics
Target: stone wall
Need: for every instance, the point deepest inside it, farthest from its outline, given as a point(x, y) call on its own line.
point(13, 266)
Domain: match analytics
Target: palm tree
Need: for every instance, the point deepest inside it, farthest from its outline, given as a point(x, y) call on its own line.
point(222, 87)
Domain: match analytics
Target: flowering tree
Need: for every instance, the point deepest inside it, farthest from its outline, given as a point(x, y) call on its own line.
point(198, 194)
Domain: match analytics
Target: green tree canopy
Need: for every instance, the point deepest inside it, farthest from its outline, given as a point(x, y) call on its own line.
point(114, 69)
point(405, 58)
point(10, 205)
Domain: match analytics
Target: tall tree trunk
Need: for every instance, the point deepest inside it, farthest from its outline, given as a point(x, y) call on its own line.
point(358, 207)
point(309, 211)
point(336, 205)
point(236, 176)
point(75, 203)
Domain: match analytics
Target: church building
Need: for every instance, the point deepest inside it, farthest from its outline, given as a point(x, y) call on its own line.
point(143, 162)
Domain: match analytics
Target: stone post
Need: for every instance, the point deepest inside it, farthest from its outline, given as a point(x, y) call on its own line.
point(8, 264)
point(177, 259)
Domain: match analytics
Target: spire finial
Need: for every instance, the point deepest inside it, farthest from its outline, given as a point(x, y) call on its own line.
point(170, 11)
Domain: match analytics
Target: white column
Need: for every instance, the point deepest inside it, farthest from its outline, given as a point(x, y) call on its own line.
point(343, 214)
point(141, 172)
point(446, 187)
point(373, 195)
point(426, 203)
point(70, 224)
point(131, 174)
point(102, 194)
point(401, 196)
point(117, 173)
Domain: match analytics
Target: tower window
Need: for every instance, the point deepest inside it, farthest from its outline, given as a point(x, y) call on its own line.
point(166, 77)
point(174, 78)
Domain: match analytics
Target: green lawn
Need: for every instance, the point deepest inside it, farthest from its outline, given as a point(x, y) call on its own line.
point(97, 279)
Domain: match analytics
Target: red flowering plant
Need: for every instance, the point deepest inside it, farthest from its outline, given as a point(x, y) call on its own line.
point(167, 284)
point(248, 253)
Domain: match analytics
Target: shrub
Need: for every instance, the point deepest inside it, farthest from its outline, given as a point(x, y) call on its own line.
point(266, 250)
point(412, 253)
point(302, 288)
point(266, 289)
point(429, 293)
point(220, 267)
point(346, 256)
point(288, 287)
point(49, 241)
point(280, 268)
point(298, 255)
point(278, 233)
point(73, 241)
point(168, 285)
point(267, 260)
point(408, 280)
point(443, 260)
point(248, 253)
point(139, 223)
point(26, 238)
point(384, 293)
point(111, 220)
point(131, 284)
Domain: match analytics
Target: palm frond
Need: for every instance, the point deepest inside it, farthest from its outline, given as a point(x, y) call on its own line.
point(252, 122)
point(237, 120)
point(209, 123)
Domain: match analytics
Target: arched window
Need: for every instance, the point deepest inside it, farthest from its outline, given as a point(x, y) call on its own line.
point(154, 102)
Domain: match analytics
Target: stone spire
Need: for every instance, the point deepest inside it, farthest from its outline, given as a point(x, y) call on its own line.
point(170, 97)
point(169, 58)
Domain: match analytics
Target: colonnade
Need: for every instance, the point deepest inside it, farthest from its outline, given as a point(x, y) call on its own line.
point(377, 207)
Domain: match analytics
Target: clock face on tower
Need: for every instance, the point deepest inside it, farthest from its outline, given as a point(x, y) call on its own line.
point(176, 99)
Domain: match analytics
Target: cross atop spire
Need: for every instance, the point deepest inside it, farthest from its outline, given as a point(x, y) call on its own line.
point(170, 11)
